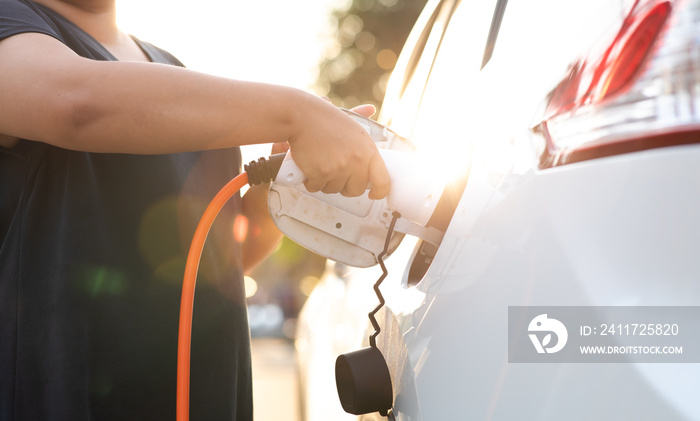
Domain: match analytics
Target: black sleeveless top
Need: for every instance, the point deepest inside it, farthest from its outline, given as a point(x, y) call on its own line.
point(92, 252)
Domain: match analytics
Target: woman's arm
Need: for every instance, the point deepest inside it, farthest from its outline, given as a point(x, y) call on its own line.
point(50, 94)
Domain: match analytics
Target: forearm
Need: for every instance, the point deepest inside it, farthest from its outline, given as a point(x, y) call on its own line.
point(148, 109)
point(54, 96)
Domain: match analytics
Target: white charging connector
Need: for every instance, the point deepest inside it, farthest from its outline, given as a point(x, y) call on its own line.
point(413, 194)
point(352, 230)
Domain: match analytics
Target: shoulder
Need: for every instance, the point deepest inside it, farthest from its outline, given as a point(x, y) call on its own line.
point(20, 16)
point(16, 7)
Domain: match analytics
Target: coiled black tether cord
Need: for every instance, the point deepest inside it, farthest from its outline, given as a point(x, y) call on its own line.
point(385, 272)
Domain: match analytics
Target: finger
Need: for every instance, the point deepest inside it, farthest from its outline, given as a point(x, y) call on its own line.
point(334, 186)
point(356, 185)
point(378, 178)
point(315, 184)
point(280, 147)
point(366, 110)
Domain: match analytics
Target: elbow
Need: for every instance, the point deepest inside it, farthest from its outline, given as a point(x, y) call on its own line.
point(75, 122)
point(76, 111)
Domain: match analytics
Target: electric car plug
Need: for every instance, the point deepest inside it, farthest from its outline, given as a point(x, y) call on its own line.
point(352, 230)
point(413, 193)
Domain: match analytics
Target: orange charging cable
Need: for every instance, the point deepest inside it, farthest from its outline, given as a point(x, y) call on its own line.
point(187, 301)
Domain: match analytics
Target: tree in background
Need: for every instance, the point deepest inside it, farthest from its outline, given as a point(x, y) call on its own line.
point(370, 34)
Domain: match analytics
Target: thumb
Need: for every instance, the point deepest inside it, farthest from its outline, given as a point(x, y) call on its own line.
point(366, 110)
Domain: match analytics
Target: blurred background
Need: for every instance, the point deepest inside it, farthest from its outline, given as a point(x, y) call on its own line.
point(342, 49)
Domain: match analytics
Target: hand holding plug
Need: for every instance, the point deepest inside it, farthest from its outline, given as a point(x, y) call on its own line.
point(336, 155)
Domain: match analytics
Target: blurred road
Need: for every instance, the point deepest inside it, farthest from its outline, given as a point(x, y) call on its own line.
point(275, 394)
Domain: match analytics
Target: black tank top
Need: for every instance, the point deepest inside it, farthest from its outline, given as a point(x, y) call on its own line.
point(92, 252)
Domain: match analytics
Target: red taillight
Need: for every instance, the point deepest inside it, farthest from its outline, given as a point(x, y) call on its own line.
point(641, 91)
point(631, 48)
point(609, 69)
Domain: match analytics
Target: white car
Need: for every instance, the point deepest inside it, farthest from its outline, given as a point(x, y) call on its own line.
point(576, 126)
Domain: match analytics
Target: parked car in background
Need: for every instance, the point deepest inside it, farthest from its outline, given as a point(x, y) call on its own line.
point(577, 127)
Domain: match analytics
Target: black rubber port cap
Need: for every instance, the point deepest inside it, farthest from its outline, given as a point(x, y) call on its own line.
point(363, 381)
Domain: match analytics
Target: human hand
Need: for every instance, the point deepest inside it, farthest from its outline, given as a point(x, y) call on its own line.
point(336, 154)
